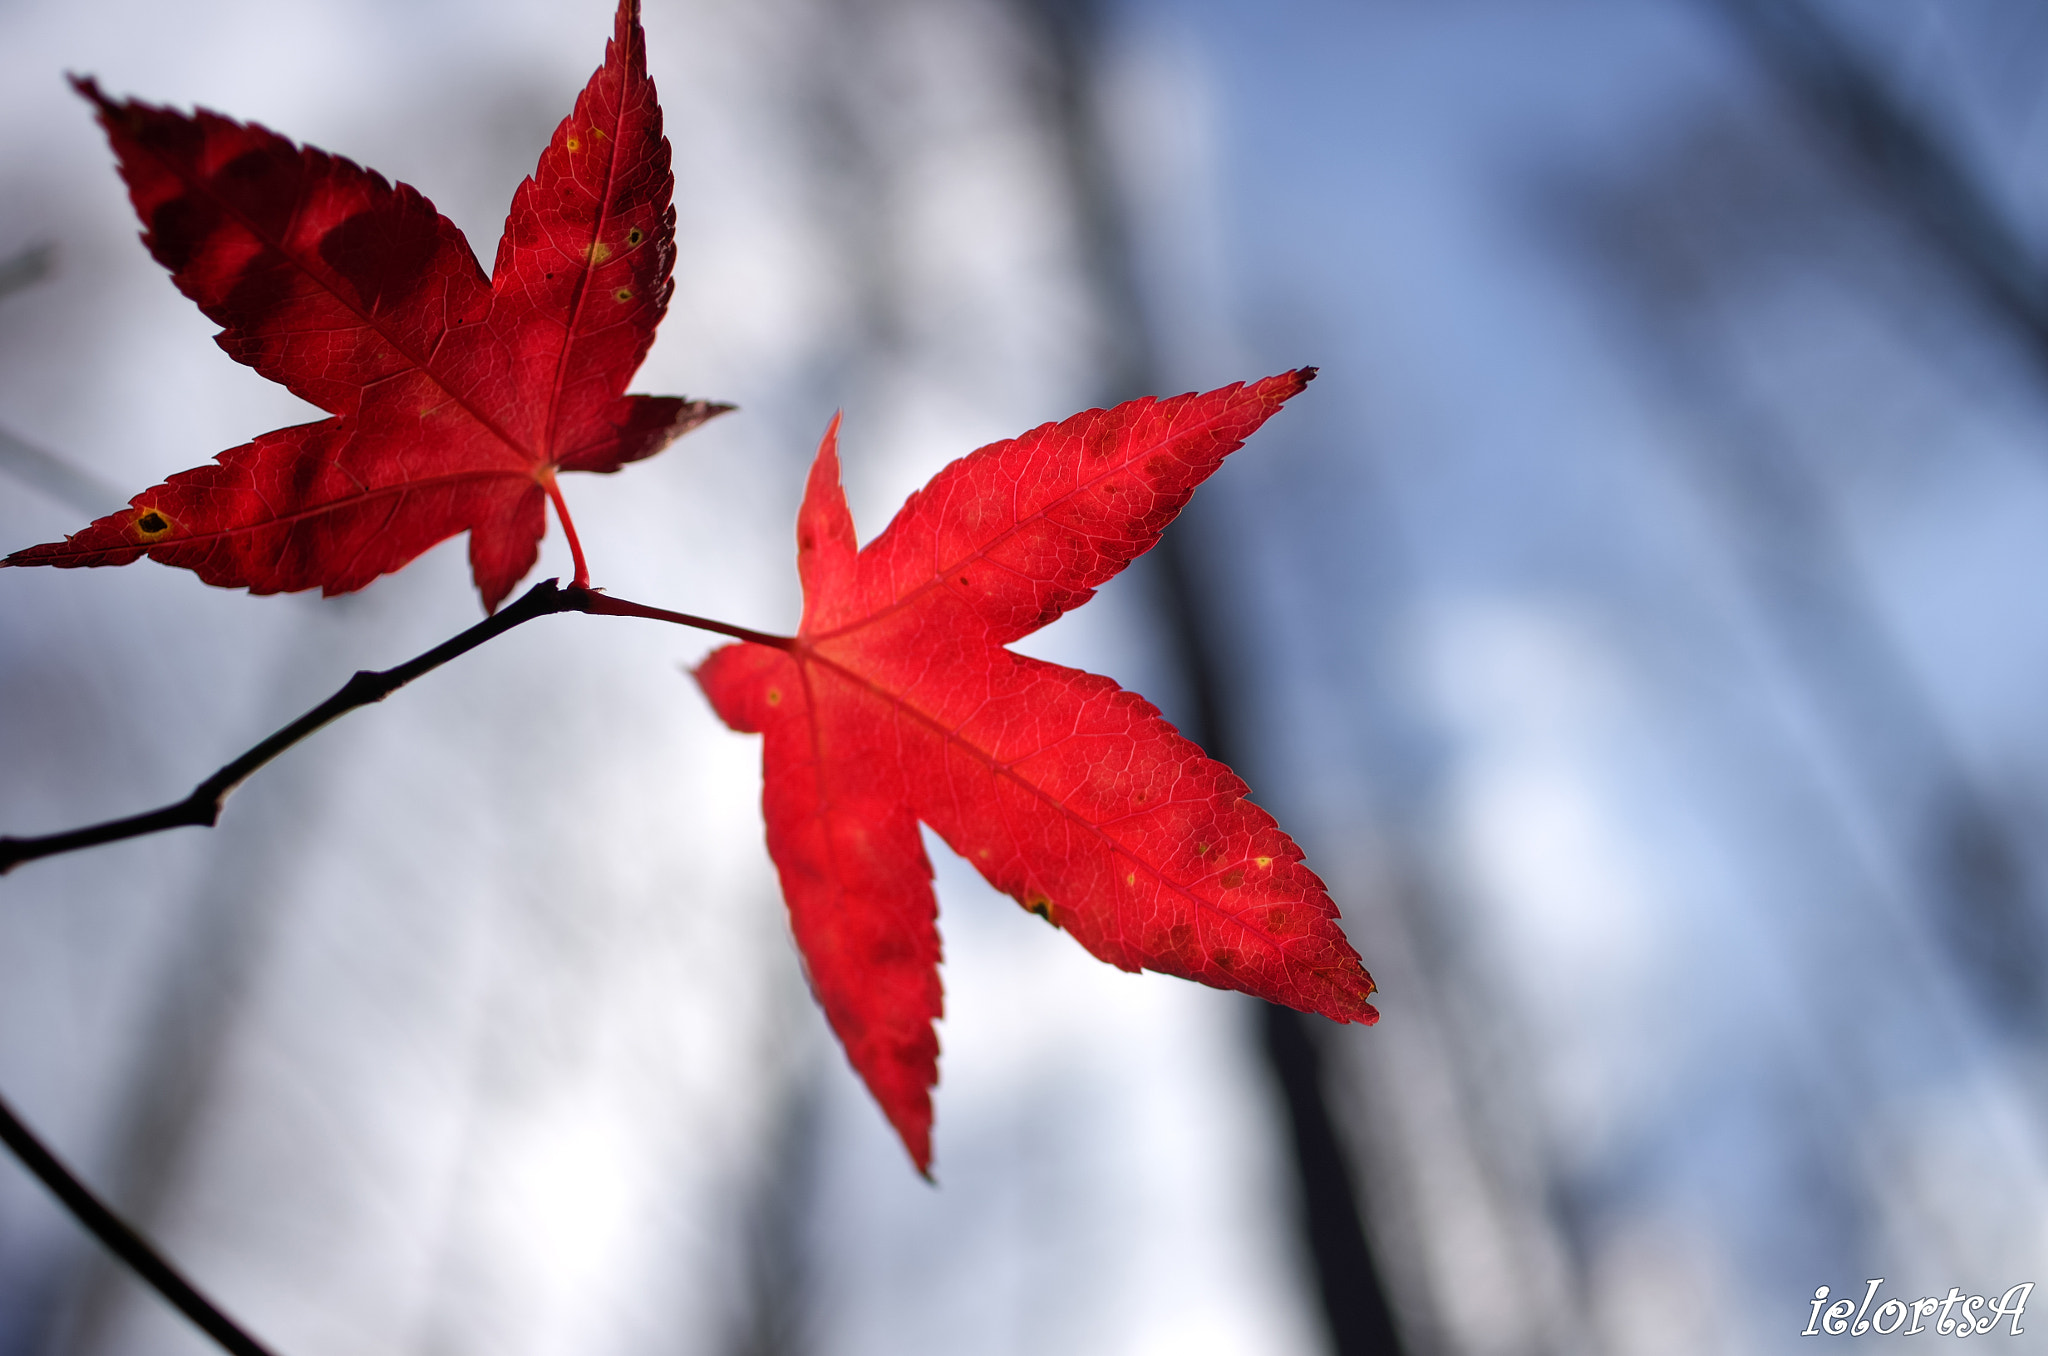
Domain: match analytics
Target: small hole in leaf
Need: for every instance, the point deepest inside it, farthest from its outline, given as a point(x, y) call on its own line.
point(152, 525)
point(635, 236)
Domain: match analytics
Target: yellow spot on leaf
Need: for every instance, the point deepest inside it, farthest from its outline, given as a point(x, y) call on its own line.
point(623, 294)
point(152, 525)
point(1262, 862)
point(599, 251)
point(1131, 879)
point(775, 696)
point(574, 144)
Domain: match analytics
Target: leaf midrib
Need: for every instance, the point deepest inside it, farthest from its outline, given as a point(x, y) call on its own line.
point(804, 651)
point(604, 215)
point(316, 511)
point(332, 286)
point(940, 575)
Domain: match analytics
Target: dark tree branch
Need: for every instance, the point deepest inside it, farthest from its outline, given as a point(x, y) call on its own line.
point(1355, 1304)
point(1905, 155)
point(27, 267)
point(202, 808)
point(41, 470)
point(54, 476)
point(144, 1260)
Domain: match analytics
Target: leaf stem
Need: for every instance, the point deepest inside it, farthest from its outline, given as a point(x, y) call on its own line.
point(554, 489)
point(601, 604)
point(202, 808)
point(144, 1260)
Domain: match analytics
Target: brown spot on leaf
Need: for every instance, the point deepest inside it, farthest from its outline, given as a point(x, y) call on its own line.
point(151, 525)
point(1233, 878)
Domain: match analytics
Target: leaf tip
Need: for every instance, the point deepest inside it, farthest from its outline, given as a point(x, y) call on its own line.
point(824, 520)
point(916, 1134)
point(1290, 384)
point(1350, 1005)
point(627, 36)
point(109, 111)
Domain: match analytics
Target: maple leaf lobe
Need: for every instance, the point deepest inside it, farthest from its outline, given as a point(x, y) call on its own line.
point(454, 398)
point(897, 702)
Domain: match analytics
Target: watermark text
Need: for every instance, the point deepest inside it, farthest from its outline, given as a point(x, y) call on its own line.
point(1952, 1315)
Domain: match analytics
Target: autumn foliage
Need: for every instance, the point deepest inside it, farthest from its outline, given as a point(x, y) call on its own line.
point(455, 399)
point(898, 703)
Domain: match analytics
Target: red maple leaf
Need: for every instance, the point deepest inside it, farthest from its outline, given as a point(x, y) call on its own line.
point(455, 398)
point(897, 701)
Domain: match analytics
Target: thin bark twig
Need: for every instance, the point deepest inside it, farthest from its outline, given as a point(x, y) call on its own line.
point(133, 1250)
point(202, 808)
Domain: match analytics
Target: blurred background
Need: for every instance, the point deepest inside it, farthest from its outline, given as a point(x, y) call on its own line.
point(1638, 623)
